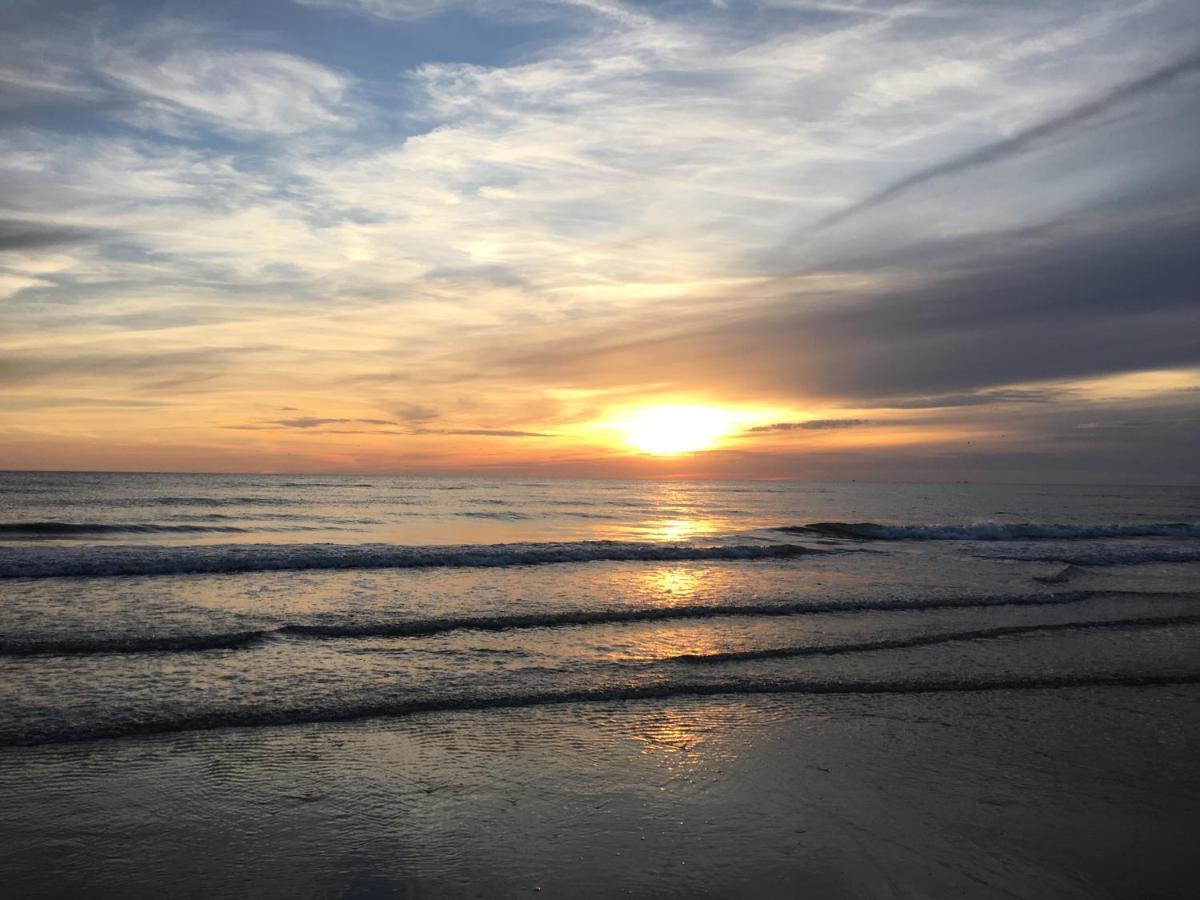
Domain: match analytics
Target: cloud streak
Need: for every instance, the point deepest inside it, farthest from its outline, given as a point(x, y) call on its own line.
point(1027, 138)
point(23, 235)
point(808, 425)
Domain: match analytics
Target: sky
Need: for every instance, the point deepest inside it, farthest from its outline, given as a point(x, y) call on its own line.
point(943, 240)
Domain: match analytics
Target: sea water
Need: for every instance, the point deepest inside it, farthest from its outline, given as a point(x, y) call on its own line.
point(151, 608)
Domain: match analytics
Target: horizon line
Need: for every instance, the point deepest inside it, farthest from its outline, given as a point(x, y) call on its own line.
point(494, 475)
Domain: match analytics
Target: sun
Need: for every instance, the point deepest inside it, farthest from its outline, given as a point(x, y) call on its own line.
point(674, 429)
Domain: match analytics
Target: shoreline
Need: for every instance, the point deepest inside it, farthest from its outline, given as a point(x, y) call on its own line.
point(914, 795)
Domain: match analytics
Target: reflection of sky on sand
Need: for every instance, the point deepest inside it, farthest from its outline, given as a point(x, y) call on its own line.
point(689, 741)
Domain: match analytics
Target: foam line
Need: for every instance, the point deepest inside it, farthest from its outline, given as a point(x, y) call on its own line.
point(259, 717)
point(510, 622)
point(926, 640)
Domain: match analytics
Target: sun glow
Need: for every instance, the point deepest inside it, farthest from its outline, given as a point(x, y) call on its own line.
point(670, 430)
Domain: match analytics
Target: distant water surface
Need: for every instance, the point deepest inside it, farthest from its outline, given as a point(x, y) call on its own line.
point(186, 509)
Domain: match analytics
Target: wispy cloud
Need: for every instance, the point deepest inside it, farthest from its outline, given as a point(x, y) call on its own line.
point(179, 72)
point(314, 422)
point(483, 432)
point(808, 425)
point(974, 398)
point(1027, 138)
point(146, 375)
point(387, 9)
point(319, 425)
point(19, 235)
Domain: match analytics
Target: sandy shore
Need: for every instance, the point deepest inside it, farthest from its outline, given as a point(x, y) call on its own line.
point(1074, 793)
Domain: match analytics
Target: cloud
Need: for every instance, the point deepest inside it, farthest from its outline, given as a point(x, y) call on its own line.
point(974, 398)
point(1025, 139)
point(313, 422)
point(317, 425)
point(481, 432)
point(180, 72)
point(808, 425)
point(16, 234)
point(412, 10)
point(399, 10)
point(13, 284)
point(583, 206)
point(1090, 298)
point(37, 81)
point(414, 413)
point(963, 317)
point(30, 403)
point(173, 370)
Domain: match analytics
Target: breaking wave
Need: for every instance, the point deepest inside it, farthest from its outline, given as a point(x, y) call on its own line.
point(75, 529)
point(99, 560)
point(994, 531)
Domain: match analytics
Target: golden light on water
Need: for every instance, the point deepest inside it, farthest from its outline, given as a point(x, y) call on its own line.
point(678, 529)
point(674, 585)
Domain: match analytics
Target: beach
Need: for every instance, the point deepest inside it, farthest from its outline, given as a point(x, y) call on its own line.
point(913, 796)
point(287, 686)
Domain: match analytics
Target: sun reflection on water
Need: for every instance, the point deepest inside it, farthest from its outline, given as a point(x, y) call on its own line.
point(676, 530)
point(672, 585)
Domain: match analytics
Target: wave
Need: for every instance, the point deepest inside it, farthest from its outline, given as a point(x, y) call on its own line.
point(427, 627)
point(266, 716)
point(219, 501)
point(99, 560)
point(312, 484)
point(509, 622)
point(1104, 556)
point(507, 515)
point(72, 529)
point(927, 640)
point(269, 517)
point(87, 646)
point(993, 531)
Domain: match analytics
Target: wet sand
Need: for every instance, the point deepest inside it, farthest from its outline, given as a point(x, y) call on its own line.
point(1089, 792)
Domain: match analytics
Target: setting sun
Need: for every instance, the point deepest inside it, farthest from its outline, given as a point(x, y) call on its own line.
point(669, 430)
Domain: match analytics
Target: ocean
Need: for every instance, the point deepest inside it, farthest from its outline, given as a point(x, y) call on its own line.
point(280, 685)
